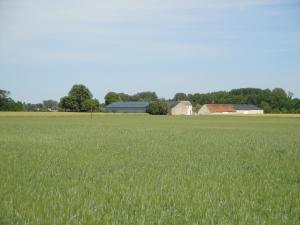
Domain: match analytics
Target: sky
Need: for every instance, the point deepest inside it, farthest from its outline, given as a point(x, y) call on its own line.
point(166, 46)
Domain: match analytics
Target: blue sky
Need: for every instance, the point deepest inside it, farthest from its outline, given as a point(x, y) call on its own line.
point(139, 45)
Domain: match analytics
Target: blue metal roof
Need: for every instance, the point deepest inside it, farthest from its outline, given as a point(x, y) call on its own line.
point(245, 107)
point(128, 105)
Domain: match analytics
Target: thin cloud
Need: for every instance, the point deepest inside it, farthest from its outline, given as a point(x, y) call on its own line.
point(46, 31)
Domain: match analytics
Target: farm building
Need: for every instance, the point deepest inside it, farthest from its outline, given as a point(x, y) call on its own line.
point(230, 109)
point(248, 109)
point(180, 108)
point(128, 107)
point(216, 109)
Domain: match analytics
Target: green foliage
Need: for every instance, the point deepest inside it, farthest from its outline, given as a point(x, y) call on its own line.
point(111, 97)
point(69, 103)
point(145, 96)
point(266, 107)
point(125, 97)
point(75, 100)
point(34, 107)
point(141, 96)
point(8, 104)
point(91, 105)
point(149, 170)
point(50, 105)
point(198, 107)
point(180, 97)
point(4, 94)
point(103, 109)
point(80, 93)
point(159, 107)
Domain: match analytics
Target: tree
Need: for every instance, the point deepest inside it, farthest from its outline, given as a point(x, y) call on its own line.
point(111, 97)
point(296, 103)
point(266, 107)
point(153, 108)
point(33, 107)
point(4, 94)
point(279, 98)
point(290, 95)
point(69, 103)
point(50, 104)
point(80, 93)
point(91, 105)
point(198, 107)
point(180, 97)
point(159, 107)
point(3, 99)
point(145, 96)
point(125, 97)
point(8, 104)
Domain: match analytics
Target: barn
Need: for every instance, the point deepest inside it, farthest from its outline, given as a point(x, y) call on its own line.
point(248, 109)
point(229, 109)
point(128, 107)
point(180, 108)
point(216, 109)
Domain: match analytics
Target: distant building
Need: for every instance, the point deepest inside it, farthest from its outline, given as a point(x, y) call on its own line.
point(248, 109)
point(180, 108)
point(229, 109)
point(128, 107)
point(216, 109)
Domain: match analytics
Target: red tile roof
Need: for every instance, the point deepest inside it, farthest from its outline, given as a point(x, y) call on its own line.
point(220, 108)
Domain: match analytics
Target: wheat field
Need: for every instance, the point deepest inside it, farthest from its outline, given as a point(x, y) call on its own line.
point(58, 169)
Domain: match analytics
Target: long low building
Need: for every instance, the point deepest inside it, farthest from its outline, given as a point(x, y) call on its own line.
point(248, 109)
point(128, 107)
point(229, 109)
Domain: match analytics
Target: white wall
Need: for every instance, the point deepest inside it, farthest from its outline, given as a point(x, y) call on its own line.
point(182, 109)
point(204, 110)
point(250, 112)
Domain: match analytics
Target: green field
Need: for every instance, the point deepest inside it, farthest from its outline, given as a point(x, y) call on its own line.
point(138, 169)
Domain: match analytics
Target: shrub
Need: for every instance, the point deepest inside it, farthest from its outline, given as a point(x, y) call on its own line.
point(159, 107)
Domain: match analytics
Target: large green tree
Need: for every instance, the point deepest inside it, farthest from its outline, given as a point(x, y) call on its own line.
point(111, 97)
point(125, 97)
point(91, 105)
point(145, 96)
point(180, 97)
point(69, 103)
point(80, 93)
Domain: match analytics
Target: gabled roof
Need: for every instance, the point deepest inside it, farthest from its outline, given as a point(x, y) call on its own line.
point(246, 107)
point(188, 103)
point(172, 104)
point(139, 104)
point(219, 108)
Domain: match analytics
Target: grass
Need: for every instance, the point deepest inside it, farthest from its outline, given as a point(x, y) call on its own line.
point(137, 169)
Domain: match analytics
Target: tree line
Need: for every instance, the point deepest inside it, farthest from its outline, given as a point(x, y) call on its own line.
point(80, 99)
point(8, 104)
